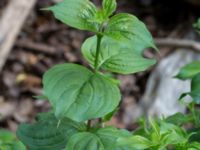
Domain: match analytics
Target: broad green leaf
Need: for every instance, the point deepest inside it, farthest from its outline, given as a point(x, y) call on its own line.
point(79, 94)
point(116, 56)
point(189, 71)
point(48, 133)
point(102, 139)
point(109, 6)
point(125, 26)
point(136, 142)
point(79, 14)
point(8, 141)
point(179, 119)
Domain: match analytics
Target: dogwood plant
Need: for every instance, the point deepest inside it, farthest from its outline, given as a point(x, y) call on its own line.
point(79, 95)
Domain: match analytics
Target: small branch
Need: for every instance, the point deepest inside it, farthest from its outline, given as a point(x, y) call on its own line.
point(179, 43)
point(36, 47)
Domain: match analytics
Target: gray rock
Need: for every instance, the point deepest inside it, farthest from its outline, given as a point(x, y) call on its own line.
point(162, 91)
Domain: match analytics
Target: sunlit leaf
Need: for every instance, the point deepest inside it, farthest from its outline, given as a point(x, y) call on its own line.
point(109, 6)
point(79, 94)
point(116, 56)
point(79, 14)
point(126, 26)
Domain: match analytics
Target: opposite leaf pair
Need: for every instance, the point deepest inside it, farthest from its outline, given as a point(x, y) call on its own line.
point(78, 94)
point(74, 91)
point(124, 30)
point(47, 134)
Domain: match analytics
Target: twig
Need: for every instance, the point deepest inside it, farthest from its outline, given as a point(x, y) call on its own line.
point(10, 25)
point(36, 47)
point(182, 43)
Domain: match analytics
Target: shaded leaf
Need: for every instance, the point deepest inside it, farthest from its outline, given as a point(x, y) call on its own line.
point(179, 119)
point(116, 56)
point(109, 116)
point(79, 94)
point(47, 134)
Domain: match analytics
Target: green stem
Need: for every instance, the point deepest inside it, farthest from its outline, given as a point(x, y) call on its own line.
point(99, 38)
point(89, 124)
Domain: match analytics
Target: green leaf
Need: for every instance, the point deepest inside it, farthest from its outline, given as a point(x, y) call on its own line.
point(195, 89)
point(48, 133)
point(136, 142)
point(8, 141)
point(40, 97)
point(155, 128)
point(189, 71)
point(195, 134)
point(6, 136)
point(79, 14)
point(79, 94)
point(197, 25)
point(109, 6)
point(172, 134)
point(102, 139)
point(116, 56)
point(109, 116)
point(125, 26)
point(179, 119)
point(193, 146)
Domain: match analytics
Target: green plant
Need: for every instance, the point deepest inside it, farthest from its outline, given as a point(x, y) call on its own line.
point(169, 133)
point(79, 95)
point(8, 141)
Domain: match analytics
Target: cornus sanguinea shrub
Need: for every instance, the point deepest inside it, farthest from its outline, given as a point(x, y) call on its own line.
point(79, 95)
